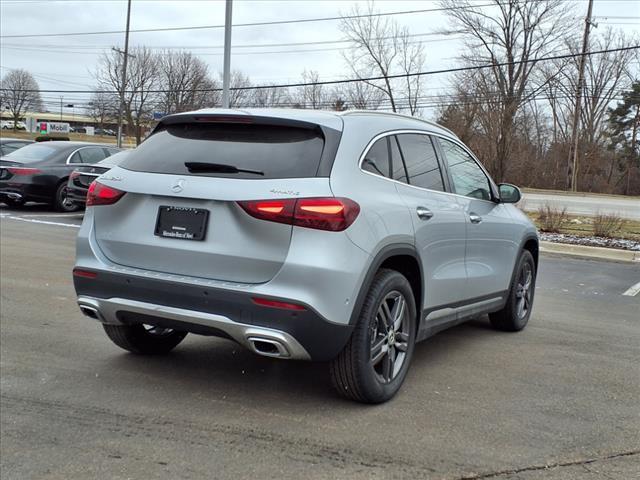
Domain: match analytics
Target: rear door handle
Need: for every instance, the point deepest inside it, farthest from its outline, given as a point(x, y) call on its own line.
point(475, 218)
point(424, 213)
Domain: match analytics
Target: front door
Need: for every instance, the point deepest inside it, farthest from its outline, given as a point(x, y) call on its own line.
point(491, 247)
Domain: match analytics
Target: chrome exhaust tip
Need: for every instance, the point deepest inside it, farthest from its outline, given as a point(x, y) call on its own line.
point(268, 347)
point(90, 312)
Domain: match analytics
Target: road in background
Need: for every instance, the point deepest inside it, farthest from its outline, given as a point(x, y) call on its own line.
point(586, 204)
point(562, 393)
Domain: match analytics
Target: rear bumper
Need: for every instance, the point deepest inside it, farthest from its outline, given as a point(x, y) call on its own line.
point(26, 191)
point(118, 298)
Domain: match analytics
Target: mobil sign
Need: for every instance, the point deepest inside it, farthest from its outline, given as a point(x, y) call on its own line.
point(53, 127)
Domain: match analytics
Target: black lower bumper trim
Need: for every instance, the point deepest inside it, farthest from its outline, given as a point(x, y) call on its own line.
point(323, 340)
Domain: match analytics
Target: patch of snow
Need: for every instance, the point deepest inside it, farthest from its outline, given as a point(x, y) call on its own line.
point(591, 241)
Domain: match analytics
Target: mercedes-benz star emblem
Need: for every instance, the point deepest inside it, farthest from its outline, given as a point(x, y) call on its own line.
point(178, 185)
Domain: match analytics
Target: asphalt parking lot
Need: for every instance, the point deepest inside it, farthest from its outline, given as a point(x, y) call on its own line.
point(556, 401)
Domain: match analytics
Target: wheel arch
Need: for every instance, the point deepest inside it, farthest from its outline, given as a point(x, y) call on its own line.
point(402, 258)
point(531, 244)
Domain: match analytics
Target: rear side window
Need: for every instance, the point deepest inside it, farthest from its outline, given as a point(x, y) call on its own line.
point(421, 161)
point(262, 151)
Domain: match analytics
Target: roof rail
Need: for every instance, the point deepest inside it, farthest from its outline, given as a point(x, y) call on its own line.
point(400, 115)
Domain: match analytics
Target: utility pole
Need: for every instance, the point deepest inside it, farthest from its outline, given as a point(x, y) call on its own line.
point(572, 164)
point(226, 74)
point(124, 74)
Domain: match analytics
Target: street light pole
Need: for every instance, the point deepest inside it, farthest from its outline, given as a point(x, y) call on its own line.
point(226, 74)
point(123, 85)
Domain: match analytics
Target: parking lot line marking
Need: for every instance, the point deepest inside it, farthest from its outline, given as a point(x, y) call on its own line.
point(30, 220)
point(633, 290)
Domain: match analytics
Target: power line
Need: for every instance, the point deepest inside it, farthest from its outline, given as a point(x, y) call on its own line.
point(254, 24)
point(369, 79)
point(245, 45)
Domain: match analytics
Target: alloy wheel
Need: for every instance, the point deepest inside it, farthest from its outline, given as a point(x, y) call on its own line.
point(524, 290)
point(390, 337)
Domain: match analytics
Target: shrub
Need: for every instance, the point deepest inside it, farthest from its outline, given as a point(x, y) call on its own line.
point(607, 225)
point(551, 218)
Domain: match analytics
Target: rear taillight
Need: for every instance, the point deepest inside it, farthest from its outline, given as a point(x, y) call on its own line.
point(331, 213)
point(100, 194)
point(24, 171)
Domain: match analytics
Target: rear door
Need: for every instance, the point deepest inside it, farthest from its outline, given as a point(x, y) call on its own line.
point(491, 247)
point(198, 172)
point(437, 217)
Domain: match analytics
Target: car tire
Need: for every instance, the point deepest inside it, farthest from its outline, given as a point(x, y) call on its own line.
point(516, 312)
point(60, 202)
point(144, 339)
point(367, 369)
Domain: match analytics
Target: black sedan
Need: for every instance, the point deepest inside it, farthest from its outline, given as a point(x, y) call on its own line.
point(8, 145)
point(39, 172)
point(81, 177)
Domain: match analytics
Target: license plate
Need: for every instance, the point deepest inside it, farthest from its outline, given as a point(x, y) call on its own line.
point(183, 223)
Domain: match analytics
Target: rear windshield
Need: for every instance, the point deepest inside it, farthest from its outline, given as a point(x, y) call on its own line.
point(33, 153)
point(275, 151)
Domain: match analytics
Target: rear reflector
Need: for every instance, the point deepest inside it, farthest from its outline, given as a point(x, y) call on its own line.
point(331, 213)
point(77, 272)
point(265, 302)
point(24, 171)
point(100, 194)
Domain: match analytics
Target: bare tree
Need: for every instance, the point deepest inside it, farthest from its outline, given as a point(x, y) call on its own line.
point(312, 95)
point(138, 90)
point(103, 108)
point(239, 89)
point(184, 80)
point(381, 48)
point(362, 96)
point(20, 93)
point(516, 33)
point(269, 97)
point(605, 76)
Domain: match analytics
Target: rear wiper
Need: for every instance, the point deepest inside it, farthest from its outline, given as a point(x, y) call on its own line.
point(217, 168)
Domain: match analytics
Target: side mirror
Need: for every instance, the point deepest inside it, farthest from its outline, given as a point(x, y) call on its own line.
point(509, 193)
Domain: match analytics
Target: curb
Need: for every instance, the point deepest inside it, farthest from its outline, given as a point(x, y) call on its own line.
point(590, 252)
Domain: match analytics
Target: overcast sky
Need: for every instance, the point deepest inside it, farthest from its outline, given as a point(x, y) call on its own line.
point(67, 63)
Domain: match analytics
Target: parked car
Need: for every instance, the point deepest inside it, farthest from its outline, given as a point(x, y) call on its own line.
point(345, 237)
point(39, 171)
point(8, 145)
point(105, 131)
point(82, 176)
point(8, 125)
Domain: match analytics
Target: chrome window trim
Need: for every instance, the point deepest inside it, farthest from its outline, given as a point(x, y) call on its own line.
point(422, 132)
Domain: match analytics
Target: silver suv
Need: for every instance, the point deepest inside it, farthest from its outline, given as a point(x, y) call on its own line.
point(342, 237)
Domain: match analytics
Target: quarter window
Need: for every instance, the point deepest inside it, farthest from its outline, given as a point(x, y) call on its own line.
point(467, 176)
point(377, 158)
point(421, 161)
point(88, 155)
